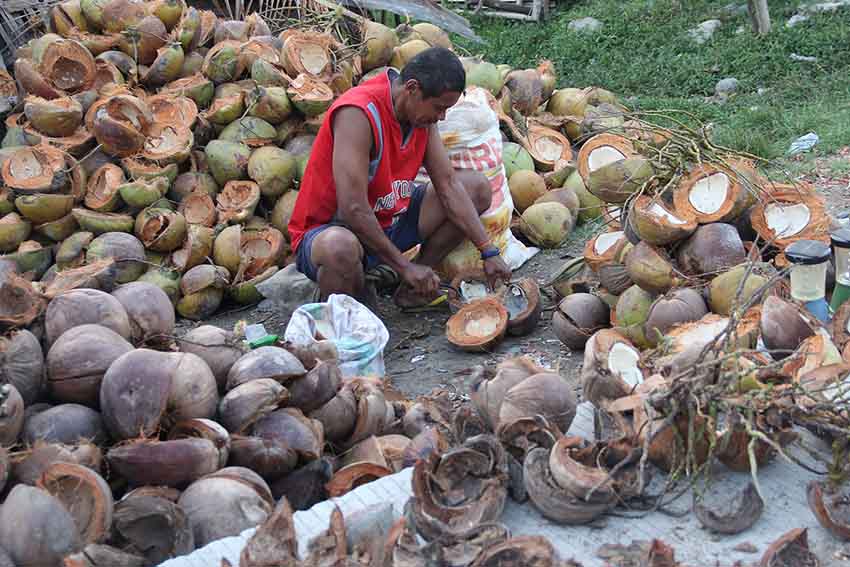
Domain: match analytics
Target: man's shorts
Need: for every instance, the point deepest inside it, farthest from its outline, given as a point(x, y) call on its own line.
point(404, 233)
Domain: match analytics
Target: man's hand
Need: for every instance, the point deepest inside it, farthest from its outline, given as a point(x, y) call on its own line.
point(496, 271)
point(421, 279)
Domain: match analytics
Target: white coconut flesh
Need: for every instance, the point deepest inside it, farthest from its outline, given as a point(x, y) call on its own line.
point(313, 58)
point(663, 213)
point(602, 156)
point(25, 165)
point(605, 241)
point(473, 290)
point(709, 193)
point(787, 220)
point(548, 148)
point(622, 361)
point(701, 334)
point(481, 325)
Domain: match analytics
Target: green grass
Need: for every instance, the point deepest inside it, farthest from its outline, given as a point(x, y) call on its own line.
point(644, 54)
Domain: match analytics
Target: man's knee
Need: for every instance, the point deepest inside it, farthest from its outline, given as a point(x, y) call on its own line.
point(338, 249)
point(479, 191)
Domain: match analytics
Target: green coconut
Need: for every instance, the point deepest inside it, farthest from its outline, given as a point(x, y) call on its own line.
point(271, 104)
point(166, 279)
point(143, 170)
point(193, 182)
point(127, 251)
point(226, 108)
point(633, 306)
point(435, 36)
point(141, 194)
point(44, 207)
point(282, 212)
point(407, 51)
point(723, 294)
point(166, 67)
point(590, 206)
point(13, 231)
point(245, 293)
point(273, 169)
point(72, 251)
point(309, 96)
point(100, 223)
point(203, 289)
point(221, 64)
point(192, 64)
point(483, 74)
point(515, 158)
point(227, 248)
point(268, 74)
point(227, 160)
point(160, 230)
point(188, 27)
point(59, 229)
point(379, 41)
point(617, 181)
point(32, 258)
point(169, 11)
point(66, 17)
point(546, 224)
point(249, 130)
point(93, 12)
point(7, 203)
point(568, 102)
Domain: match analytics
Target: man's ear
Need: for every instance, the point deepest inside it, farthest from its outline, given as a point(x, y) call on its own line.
point(412, 85)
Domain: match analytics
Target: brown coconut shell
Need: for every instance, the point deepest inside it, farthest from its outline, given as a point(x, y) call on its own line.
point(605, 248)
point(85, 495)
point(65, 423)
point(730, 517)
point(728, 192)
point(305, 487)
point(220, 349)
point(712, 249)
point(5, 467)
point(78, 360)
point(22, 364)
point(655, 223)
point(831, 508)
point(579, 315)
point(487, 394)
point(304, 435)
point(68, 66)
point(546, 394)
point(265, 362)
point(601, 381)
point(96, 555)
point(674, 308)
point(102, 189)
point(270, 458)
point(522, 300)
point(790, 549)
point(248, 402)
point(650, 267)
point(804, 201)
point(316, 388)
point(783, 327)
point(20, 304)
point(478, 325)
point(32, 81)
point(602, 149)
point(173, 110)
point(85, 306)
point(362, 464)
point(149, 523)
point(164, 463)
point(12, 420)
point(338, 416)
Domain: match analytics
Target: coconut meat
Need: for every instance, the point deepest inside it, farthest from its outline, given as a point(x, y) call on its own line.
point(606, 240)
point(602, 156)
point(313, 57)
point(659, 211)
point(622, 361)
point(548, 148)
point(700, 333)
point(787, 220)
point(483, 325)
point(473, 290)
point(709, 193)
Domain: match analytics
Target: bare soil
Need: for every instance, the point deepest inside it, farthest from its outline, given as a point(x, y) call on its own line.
point(418, 356)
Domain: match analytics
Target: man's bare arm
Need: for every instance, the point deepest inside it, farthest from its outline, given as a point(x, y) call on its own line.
point(352, 142)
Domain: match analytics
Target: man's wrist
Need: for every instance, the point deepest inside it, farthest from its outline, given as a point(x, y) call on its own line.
point(490, 252)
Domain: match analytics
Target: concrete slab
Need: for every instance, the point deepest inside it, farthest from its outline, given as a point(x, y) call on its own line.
point(783, 485)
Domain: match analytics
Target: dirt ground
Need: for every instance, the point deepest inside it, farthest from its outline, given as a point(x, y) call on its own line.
point(419, 358)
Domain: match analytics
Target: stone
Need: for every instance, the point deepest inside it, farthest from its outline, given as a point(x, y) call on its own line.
point(803, 58)
point(796, 19)
point(745, 547)
point(703, 32)
point(585, 25)
point(826, 7)
point(726, 86)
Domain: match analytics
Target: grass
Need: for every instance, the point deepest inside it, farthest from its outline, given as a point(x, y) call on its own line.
point(644, 54)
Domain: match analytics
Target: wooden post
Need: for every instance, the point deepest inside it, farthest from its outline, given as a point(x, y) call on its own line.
point(759, 16)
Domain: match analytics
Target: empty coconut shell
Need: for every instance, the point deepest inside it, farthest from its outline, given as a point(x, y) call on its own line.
point(149, 523)
point(831, 507)
point(248, 402)
point(478, 325)
point(85, 495)
point(790, 549)
point(546, 394)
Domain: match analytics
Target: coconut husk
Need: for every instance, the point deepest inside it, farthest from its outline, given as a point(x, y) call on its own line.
point(97, 275)
point(548, 148)
point(36, 169)
point(725, 193)
point(605, 248)
point(601, 150)
point(237, 201)
point(800, 200)
point(199, 209)
point(68, 66)
point(102, 189)
point(86, 496)
point(308, 53)
point(309, 95)
point(656, 224)
point(478, 325)
point(20, 304)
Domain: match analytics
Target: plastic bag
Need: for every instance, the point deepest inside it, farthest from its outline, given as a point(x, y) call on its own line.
point(359, 335)
point(472, 138)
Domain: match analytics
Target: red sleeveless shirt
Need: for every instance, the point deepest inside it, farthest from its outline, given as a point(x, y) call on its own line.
point(392, 169)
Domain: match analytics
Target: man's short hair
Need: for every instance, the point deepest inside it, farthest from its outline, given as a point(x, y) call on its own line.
point(437, 70)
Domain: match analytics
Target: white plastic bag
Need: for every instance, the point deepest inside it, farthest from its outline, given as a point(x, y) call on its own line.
point(359, 335)
point(472, 138)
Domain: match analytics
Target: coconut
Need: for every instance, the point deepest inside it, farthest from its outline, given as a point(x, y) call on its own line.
point(251, 131)
point(66, 424)
point(548, 148)
point(168, 144)
point(516, 158)
point(712, 249)
point(526, 188)
point(650, 268)
point(783, 327)
point(789, 213)
point(735, 287)
point(161, 230)
point(545, 394)
point(12, 411)
point(632, 310)
point(228, 161)
point(605, 248)
point(115, 130)
point(118, 15)
point(611, 367)
point(432, 34)
point(203, 290)
point(677, 307)
point(218, 348)
point(615, 182)
point(85, 495)
point(273, 169)
point(483, 74)
point(568, 102)
point(102, 189)
point(78, 360)
point(125, 249)
point(101, 223)
point(526, 90)
point(308, 54)
point(197, 246)
point(715, 194)
point(656, 224)
point(85, 306)
point(36, 528)
point(67, 66)
point(58, 117)
point(309, 96)
point(271, 104)
point(222, 64)
point(566, 197)
point(166, 66)
point(141, 169)
point(192, 182)
point(13, 231)
point(220, 505)
point(149, 310)
point(407, 51)
point(164, 463)
point(547, 224)
point(22, 364)
point(265, 362)
point(140, 194)
point(578, 316)
point(602, 150)
point(38, 169)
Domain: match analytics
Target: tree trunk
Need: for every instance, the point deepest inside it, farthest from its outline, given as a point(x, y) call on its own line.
point(760, 16)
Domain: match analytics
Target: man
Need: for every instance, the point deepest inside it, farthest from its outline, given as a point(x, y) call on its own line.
point(358, 206)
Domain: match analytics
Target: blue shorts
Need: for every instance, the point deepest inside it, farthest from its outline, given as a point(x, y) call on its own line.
point(404, 233)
